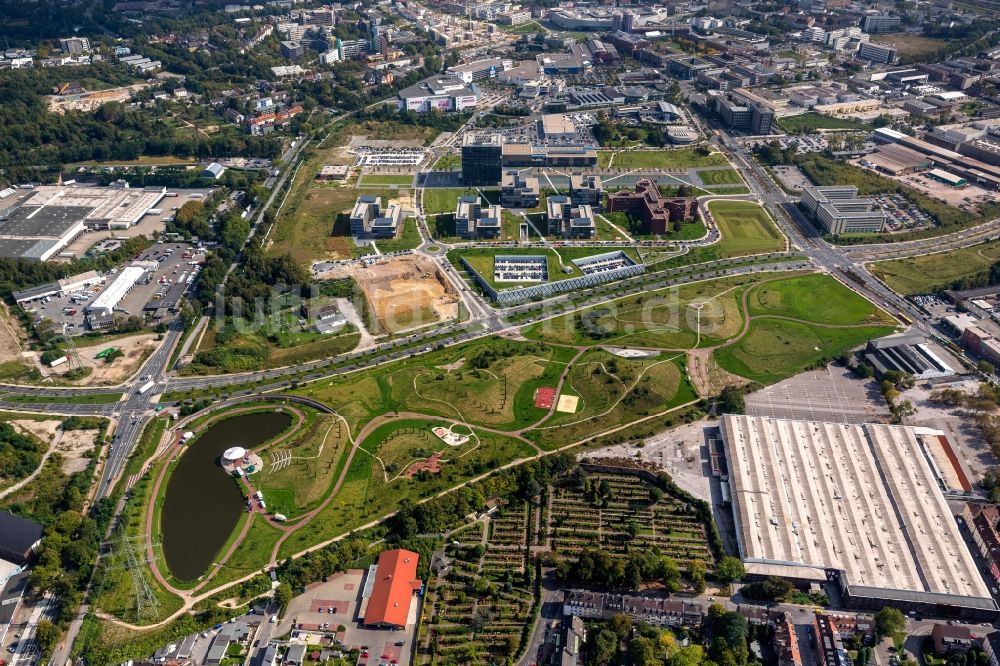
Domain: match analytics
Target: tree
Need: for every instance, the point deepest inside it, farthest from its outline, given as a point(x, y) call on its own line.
point(985, 367)
point(692, 655)
point(696, 574)
point(46, 635)
point(889, 621)
point(729, 570)
point(283, 595)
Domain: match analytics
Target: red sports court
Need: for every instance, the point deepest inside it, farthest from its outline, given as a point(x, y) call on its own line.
point(544, 397)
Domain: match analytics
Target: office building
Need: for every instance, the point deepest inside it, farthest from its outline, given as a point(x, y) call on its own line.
point(482, 159)
point(20, 538)
point(518, 191)
point(444, 93)
point(586, 189)
point(480, 70)
point(523, 155)
point(839, 210)
point(292, 49)
point(567, 219)
point(753, 117)
point(656, 212)
point(877, 23)
point(855, 505)
point(74, 45)
point(877, 53)
point(369, 220)
point(474, 222)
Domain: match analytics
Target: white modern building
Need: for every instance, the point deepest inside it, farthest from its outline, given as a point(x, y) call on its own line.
point(108, 300)
point(444, 93)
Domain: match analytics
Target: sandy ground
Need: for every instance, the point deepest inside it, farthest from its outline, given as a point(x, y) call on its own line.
point(10, 337)
point(44, 431)
point(974, 454)
point(90, 101)
point(135, 348)
point(404, 292)
point(681, 452)
point(71, 445)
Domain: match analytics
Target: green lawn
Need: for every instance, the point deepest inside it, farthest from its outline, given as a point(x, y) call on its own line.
point(677, 158)
point(922, 275)
point(720, 177)
point(68, 397)
point(445, 200)
point(659, 319)
point(746, 229)
point(817, 298)
point(408, 238)
point(809, 122)
point(379, 179)
point(774, 349)
point(448, 162)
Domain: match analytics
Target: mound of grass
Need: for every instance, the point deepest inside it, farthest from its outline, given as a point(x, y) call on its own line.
point(810, 122)
point(667, 158)
point(746, 229)
point(720, 177)
point(774, 349)
point(817, 298)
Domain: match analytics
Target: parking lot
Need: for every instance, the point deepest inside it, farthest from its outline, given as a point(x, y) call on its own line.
point(903, 216)
point(70, 308)
point(792, 177)
point(328, 613)
point(833, 394)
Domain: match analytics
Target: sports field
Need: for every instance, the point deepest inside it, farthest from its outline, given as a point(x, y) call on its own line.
point(746, 228)
point(942, 270)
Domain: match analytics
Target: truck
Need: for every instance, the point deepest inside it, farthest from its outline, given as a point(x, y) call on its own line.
point(145, 387)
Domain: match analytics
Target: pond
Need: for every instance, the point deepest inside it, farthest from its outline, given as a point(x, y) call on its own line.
point(202, 503)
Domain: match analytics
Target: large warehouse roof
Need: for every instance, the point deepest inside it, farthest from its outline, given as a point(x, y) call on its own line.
point(395, 582)
point(858, 498)
point(116, 291)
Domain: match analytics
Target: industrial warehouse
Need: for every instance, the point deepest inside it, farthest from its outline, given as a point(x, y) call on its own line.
point(51, 216)
point(858, 505)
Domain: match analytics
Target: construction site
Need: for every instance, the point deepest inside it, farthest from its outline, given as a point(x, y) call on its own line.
point(402, 292)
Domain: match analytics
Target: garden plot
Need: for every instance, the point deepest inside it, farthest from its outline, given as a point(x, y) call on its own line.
point(623, 514)
point(475, 611)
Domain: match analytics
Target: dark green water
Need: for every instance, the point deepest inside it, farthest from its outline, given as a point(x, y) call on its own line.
point(202, 503)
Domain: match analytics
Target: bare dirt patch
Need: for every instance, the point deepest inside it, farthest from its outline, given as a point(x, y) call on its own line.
point(135, 349)
point(71, 445)
point(403, 292)
point(708, 376)
point(44, 431)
